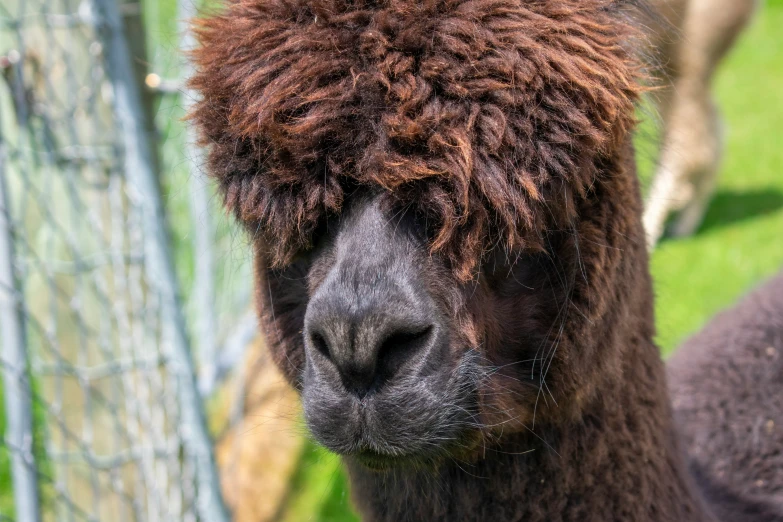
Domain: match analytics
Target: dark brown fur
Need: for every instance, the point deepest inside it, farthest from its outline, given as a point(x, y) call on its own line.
point(505, 125)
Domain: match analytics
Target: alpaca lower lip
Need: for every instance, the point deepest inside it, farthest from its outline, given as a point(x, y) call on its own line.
point(377, 461)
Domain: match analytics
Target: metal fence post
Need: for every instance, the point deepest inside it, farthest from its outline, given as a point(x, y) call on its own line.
point(16, 382)
point(203, 230)
point(158, 262)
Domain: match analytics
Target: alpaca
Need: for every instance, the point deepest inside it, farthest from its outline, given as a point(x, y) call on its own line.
point(725, 386)
point(451, 266)
point(692, 39)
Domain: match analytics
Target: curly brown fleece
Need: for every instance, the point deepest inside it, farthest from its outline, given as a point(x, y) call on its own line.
point(487, 115)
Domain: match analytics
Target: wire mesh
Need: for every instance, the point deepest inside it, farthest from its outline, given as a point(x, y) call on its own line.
point(103, 420)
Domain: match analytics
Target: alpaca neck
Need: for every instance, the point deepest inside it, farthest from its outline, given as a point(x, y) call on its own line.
point(619, 460)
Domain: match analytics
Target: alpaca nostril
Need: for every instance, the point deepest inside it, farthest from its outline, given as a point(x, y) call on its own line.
point(320, 344)
point(401, 346)
point(406, 340)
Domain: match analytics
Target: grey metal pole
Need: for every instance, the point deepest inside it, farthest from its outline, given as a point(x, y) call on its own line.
point(16, 382)
point(158, 262)
point(203, 231)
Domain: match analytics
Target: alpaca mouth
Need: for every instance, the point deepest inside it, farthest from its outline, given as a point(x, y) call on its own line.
point(377, 461)
point(414, 421)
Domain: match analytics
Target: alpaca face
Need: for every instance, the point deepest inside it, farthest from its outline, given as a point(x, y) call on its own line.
point(400, 362)
point(386, 376)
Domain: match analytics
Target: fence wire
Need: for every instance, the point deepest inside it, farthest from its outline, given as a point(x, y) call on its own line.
point(103, 416)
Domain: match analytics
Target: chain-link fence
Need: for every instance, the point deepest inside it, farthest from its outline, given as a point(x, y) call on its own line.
point(104, 415)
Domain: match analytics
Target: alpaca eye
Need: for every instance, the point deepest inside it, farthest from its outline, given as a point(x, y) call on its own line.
point(423, 226)
point(321, 235)
point(509, 273)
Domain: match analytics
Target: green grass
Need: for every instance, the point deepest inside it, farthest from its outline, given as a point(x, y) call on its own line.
point(741, 240)
point(739, 244)
point(318, 489)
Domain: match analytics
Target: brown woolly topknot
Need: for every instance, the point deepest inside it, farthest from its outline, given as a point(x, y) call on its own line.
point(491, 117)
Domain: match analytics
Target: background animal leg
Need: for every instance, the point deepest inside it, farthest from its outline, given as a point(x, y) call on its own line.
point(688, 165)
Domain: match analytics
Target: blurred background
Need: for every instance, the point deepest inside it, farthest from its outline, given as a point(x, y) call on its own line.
point(128, 337)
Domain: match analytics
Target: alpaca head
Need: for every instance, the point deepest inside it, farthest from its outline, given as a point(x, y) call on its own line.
point(431, 188)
